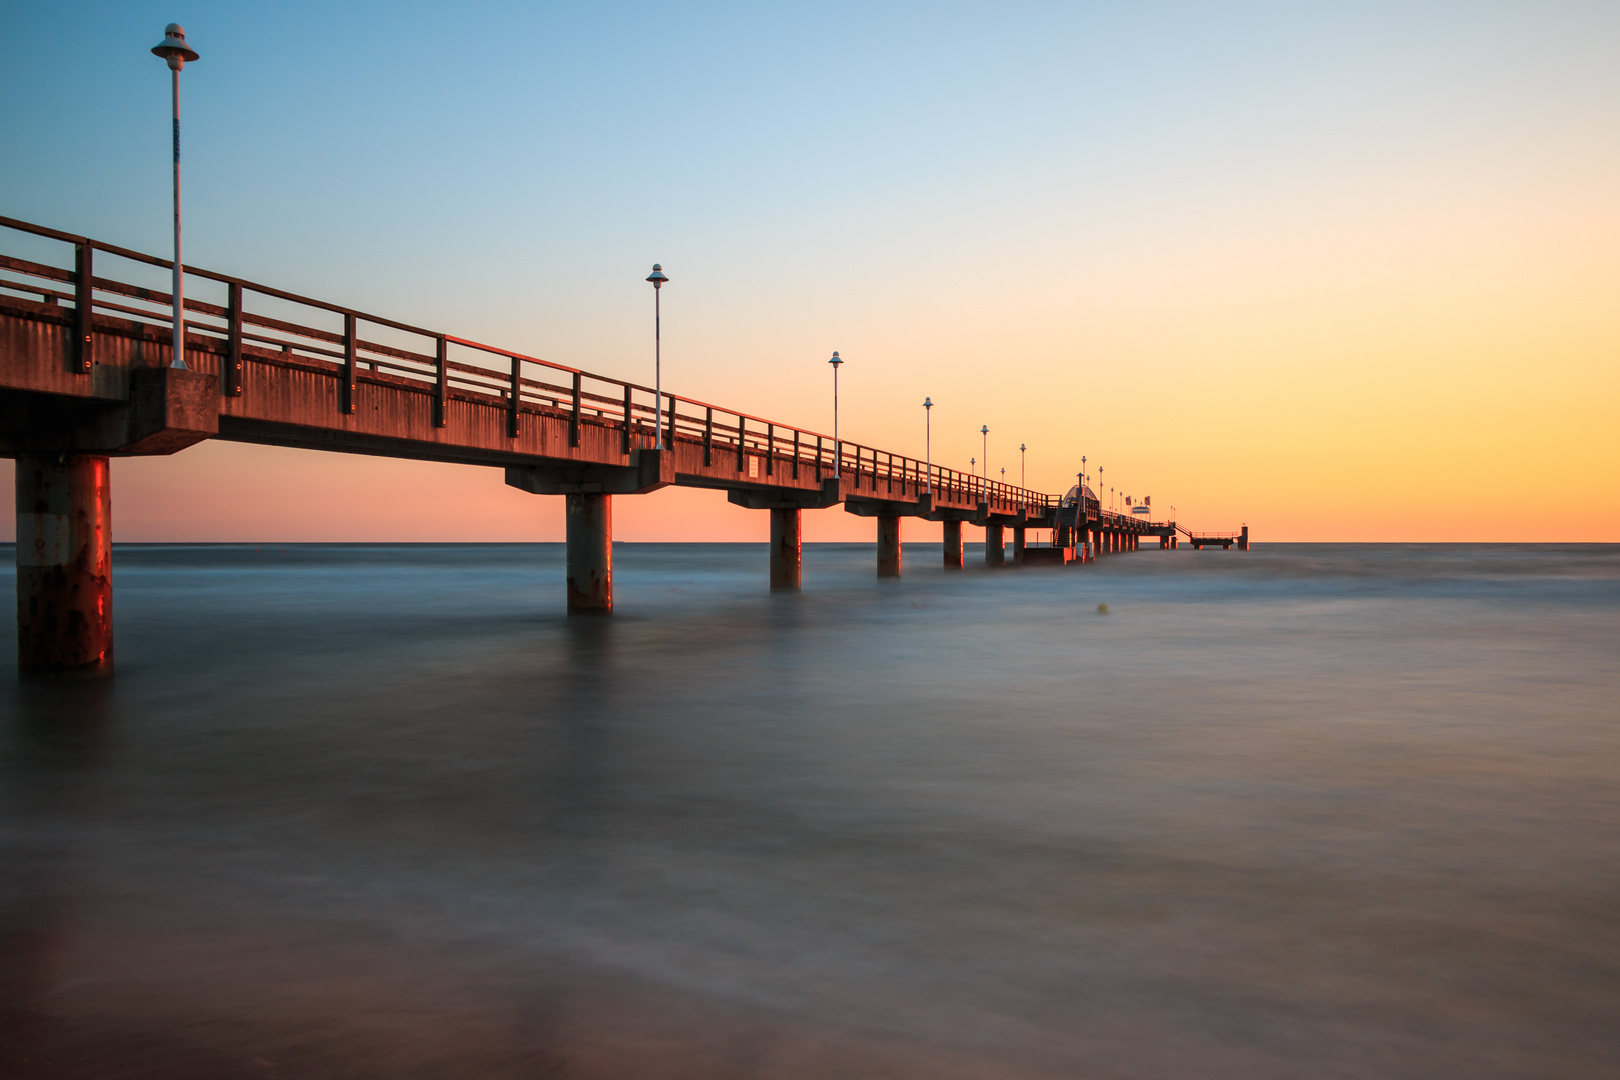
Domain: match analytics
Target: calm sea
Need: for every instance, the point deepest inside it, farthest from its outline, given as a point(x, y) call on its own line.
point(383, 811)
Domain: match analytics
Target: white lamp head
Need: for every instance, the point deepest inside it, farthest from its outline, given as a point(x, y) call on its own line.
point(173, 47)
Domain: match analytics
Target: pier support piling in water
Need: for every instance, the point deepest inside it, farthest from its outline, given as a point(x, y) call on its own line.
point(1019, 544)
point(786, 548)
point(590, 554)
point(953, 545)
point(64, 562)
point(995, 545)
point(888, 545)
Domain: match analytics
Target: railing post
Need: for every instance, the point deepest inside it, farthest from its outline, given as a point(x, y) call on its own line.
point(742, 426)
point(708, 437)
point(350, 352)
point(795, 453)
point(625, 448)
point(231, 384)
point(512, 402)
point(84, 286)
point(573, 422)
point(818, 459)
point(770, 449)
point(441, 382)
point(670, 442)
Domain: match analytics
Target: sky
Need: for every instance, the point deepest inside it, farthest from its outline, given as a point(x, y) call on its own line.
point(1341, 272)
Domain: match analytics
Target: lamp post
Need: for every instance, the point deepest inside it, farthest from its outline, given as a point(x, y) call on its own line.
point(173, 48)
point(985, 431)
point(1023, 471)
point(838, 447)
point(658, 277)
point(928, 442)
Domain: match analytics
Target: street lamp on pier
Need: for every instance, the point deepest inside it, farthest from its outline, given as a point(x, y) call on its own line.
point(657, 277)
point(173, 48)
point(1023, 472)
point(838, 447)
point(928, 442)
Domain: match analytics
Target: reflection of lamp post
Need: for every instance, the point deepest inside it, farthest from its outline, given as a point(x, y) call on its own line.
point(928, 441)
point(174, 49)
point(838, 447)
point(657, 277)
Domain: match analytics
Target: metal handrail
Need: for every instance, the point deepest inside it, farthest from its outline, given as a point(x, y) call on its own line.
point(351, 353)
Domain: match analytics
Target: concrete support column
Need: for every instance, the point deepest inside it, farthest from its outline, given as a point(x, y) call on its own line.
point(953, 545)
point(995, 546)
point(64, 562)
point(785, 547)
point(590, 554)
point(1018, 544)
point(888, 545)
point(1243, 541)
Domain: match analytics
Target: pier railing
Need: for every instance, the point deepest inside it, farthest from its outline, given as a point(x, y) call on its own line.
point(303, 332)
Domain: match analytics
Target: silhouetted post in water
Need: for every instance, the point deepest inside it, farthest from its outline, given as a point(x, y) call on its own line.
point(953, 545)
point(786, 549)
point(64, 561)
point(1243, 540)
point(1018, 545)
point(888, 545)
point(995, 545)
point(590, 554)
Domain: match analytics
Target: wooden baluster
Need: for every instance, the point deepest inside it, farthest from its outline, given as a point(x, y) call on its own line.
point(573, 420)
point(441, 381)
point(84, 303)
point(231, 383)
point(350, 362)
point(513, 393)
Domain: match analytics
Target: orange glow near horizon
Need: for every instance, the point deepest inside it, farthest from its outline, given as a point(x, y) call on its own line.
point(1341, 274)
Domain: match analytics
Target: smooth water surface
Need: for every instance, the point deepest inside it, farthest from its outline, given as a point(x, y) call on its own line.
point(383, 811)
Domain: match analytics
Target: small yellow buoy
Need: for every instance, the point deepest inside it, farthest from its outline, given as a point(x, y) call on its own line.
point(1102, 609)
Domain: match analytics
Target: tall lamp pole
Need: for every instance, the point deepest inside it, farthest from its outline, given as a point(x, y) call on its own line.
point(838, 447)
point(174, 49)
point(658, 277)
point(928, 441)
point(1023, 471)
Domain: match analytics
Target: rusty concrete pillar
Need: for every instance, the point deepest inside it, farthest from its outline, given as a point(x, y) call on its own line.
point(64, 562)
point(1018, 544)
point(888, 545)
point(786, 549)
point(590, 554)
point(995, 545)
point(953, 545)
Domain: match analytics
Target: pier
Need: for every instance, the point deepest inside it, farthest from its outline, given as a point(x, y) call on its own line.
point(86, 374)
